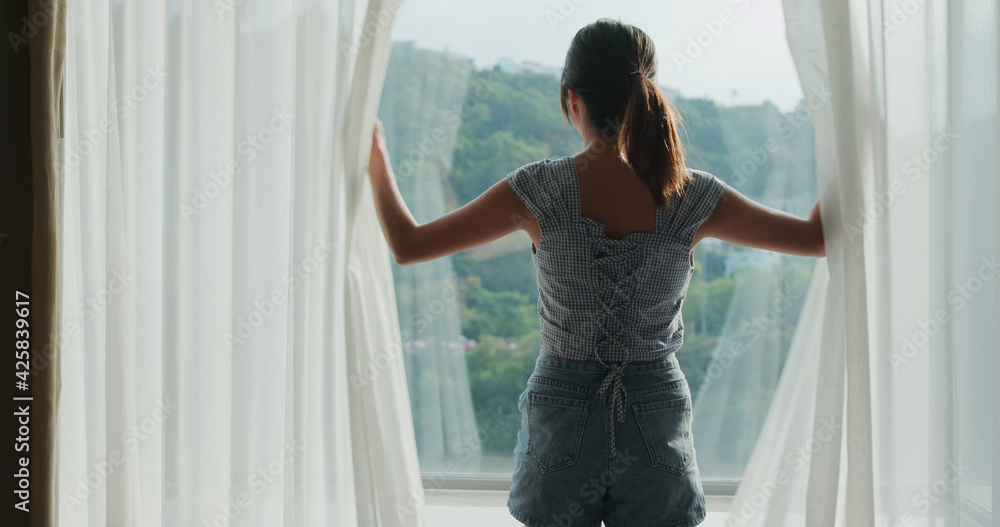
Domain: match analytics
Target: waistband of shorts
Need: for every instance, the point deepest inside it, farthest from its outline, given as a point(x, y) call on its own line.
point(548, 360)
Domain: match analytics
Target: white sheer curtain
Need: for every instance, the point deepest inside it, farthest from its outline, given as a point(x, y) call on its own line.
point(448, 440)
point(888, 414)
point(231, 343)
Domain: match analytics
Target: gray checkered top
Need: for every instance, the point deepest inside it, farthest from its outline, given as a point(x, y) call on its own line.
point(613, 300)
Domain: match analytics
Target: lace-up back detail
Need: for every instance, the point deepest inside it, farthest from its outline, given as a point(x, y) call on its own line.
point(613, 300)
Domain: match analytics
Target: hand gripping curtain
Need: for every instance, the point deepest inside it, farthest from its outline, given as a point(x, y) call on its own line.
point(230, 350)
point(887, 411)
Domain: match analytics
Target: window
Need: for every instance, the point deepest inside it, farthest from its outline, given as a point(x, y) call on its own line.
point(471, 94)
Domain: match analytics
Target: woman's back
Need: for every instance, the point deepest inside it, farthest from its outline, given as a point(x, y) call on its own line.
point(612, 273)
point(612, 195)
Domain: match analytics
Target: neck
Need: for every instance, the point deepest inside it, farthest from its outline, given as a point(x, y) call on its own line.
point(597, 146)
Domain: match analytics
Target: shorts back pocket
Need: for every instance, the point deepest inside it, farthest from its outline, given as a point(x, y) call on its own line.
point(555, 430)
point(666, 429)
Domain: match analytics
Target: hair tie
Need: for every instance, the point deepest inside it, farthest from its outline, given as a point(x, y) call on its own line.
point(632, 76)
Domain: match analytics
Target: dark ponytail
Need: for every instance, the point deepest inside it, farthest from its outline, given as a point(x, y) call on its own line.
point(613, 67)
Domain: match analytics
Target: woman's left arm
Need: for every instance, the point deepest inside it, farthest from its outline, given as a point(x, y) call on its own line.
point(495, 213)
point(740, 220)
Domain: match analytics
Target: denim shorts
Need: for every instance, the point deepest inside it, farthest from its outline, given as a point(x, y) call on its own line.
point(564, 474)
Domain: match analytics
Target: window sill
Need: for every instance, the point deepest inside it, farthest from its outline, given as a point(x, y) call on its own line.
point(454, 500)
point(488, 508)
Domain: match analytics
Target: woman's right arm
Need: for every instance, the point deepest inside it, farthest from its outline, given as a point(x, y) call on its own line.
point(740, 220)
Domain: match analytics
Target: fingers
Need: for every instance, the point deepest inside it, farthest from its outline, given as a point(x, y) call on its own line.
point(378, 134)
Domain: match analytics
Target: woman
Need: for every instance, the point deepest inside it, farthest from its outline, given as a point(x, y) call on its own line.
point(606, 416)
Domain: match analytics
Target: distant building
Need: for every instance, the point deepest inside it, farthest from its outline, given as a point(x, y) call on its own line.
point(511, 66)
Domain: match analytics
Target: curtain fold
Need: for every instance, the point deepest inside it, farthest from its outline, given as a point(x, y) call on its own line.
point(900, 426)
point(222, 276)
point(47, 51)
point(381, 420)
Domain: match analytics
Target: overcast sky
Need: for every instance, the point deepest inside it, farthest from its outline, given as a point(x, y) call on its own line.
point(732, 51)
